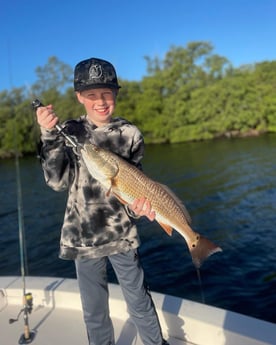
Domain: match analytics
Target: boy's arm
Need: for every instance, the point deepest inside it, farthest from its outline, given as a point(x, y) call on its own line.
point(53, 152)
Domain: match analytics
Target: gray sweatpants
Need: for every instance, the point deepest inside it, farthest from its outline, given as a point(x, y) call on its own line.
point(92, 279)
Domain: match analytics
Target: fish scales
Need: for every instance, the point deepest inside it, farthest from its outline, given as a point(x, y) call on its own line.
point(132, 184)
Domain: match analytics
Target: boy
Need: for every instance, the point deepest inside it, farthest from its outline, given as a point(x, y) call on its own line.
point(98, 227)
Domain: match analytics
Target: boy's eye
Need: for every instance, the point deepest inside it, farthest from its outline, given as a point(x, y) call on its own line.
point(108, 93)
point(105, 94)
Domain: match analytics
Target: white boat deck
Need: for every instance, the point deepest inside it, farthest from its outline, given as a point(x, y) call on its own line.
point(56, 318)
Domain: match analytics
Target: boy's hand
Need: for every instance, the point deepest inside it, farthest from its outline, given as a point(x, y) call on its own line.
point(46, 117)
point(142, 207)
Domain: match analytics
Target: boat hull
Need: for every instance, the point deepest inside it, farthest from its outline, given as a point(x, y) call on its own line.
point(56, 317)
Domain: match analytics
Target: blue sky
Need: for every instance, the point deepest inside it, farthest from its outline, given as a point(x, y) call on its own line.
point(124, 31)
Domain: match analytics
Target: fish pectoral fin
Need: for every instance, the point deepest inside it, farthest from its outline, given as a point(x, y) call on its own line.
point(109, 185)
point(109, 191)
point(112, 184)
point(120, 199)
point(167, 228)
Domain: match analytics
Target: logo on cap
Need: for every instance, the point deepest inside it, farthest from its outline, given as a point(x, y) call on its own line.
point(95, 71)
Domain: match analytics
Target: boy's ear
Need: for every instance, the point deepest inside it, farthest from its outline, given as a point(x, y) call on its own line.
point(79, 97)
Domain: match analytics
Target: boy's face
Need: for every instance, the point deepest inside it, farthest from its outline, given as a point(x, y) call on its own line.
point(99, 104)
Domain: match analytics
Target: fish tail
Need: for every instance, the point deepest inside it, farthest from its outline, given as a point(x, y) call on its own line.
point(202, 249)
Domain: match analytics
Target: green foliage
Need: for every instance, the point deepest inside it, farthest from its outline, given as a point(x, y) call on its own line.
point(127, 99)
point(191, 94)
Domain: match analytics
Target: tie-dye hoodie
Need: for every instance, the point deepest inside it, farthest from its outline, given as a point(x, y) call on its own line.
point(94, 224)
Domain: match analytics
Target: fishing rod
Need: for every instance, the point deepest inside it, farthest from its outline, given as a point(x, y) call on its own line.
point(36, 104)
point(27, 336)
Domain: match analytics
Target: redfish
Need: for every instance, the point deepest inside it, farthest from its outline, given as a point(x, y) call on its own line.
point(128, 183)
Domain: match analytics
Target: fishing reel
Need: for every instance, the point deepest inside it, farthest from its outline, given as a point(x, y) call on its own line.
point(28, 336)
point(28, 297)
point(28, 306)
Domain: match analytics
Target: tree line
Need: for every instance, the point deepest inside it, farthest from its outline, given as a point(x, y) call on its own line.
point(191, 94)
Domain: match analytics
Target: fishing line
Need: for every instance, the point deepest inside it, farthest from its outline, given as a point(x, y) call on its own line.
point(200, 285)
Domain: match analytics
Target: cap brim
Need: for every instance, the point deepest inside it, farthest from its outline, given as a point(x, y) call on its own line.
point(97, 86)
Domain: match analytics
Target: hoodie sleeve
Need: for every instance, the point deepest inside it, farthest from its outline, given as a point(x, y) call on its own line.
point(55, 160)
point(137, 150)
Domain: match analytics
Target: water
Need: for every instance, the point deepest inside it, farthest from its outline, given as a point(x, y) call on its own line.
point(229, 188)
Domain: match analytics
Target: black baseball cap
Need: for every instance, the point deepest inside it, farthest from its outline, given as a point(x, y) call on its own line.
point(95, 73)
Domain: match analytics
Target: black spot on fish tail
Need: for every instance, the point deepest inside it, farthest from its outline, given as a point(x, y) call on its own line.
point(202, 250)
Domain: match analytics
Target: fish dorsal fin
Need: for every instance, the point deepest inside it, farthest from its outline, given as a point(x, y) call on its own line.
point(167, 228)
point(178, 201)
